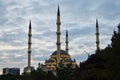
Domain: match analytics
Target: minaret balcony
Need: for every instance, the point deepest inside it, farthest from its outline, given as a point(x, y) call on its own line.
point(97, 33)
point(29, 51)
point(58, 23)
point(29, 34)
point(58, 43)
point(29, 42)
point(97, 42)
point(58, 33)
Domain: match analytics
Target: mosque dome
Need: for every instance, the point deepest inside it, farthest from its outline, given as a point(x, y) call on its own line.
point(50, 60)
point(68, 60)
point(62, 52)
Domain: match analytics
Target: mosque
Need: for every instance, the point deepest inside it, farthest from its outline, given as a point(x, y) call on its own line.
point(60, 57)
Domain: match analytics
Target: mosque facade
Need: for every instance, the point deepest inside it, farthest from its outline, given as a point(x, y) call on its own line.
point(59, 57)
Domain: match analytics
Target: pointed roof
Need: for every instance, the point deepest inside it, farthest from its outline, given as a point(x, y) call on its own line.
point(66, 32)
point(30, 25)
point(58, 12)
point(96, 22)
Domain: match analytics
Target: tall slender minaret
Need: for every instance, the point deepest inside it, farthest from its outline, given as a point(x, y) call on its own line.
point(29, 44)
point(67, 41)
point(97, 37)
point(58, 23)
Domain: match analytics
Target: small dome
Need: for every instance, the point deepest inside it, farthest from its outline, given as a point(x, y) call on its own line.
point(50, 60)
point(62, 52)
point(68, 60)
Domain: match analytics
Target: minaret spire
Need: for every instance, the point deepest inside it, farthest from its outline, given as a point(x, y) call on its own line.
point(58, 23)
point(97, 37)
point(58, 12)
point(67, 41)
point(29, 44)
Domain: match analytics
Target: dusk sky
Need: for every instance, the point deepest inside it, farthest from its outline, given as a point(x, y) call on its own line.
point(77, 16)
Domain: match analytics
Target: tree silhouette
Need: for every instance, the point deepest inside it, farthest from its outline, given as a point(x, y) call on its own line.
point(102, 66)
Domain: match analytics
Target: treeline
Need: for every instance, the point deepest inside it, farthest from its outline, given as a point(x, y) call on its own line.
point(104, 65)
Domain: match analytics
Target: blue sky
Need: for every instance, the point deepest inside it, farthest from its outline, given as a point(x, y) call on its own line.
point(78, 16)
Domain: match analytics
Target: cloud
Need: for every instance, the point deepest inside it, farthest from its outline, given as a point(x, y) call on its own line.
point(77, 16)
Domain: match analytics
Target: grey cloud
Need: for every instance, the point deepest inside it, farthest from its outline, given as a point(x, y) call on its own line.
point(80, 57)
point(76, 16)
point(13, 55)
point(10, 38)
point(84, 31)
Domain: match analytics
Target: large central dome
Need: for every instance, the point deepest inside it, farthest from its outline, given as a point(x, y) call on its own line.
point(62, 52)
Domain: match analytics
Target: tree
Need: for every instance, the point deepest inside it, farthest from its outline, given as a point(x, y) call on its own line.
point(65, 73)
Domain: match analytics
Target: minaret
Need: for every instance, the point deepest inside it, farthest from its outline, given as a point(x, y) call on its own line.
point(29, 44)
point(67, 47)
point(97, 37)
point(58, 37)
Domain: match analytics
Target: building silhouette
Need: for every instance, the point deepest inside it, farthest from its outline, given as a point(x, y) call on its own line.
point(59, 57)
point(12, 71)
